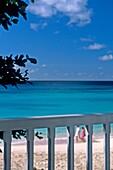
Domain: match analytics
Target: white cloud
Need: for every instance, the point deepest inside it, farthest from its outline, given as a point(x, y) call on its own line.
point(76, 10)
point(33, 70)
point(66, 74)
point(109, 51)
point(43, 24)
point(95, 46)
point(100, 68)
point(79, 74)
point(86, 39)
point(44, 65)
point(106, 57)
point(101, 73)
point(56, 32)
point(35, 26)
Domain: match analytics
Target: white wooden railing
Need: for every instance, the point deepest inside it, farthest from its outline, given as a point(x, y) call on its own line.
point(51, 122)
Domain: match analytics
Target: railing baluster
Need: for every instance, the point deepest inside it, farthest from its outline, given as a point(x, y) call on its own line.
point(89, 147)
point(30, 149)
point(7, 125)
point(7, 150)
point(71, 133)
point(51, 148)
point(106, 128)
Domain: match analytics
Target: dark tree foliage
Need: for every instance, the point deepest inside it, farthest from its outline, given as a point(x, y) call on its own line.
point(17, 134)
point(10, 12)
point(10, 72)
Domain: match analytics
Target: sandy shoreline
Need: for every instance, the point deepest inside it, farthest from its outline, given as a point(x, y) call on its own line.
point(41, 155)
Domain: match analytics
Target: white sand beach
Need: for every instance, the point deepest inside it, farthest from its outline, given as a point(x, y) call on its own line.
point(41, 156)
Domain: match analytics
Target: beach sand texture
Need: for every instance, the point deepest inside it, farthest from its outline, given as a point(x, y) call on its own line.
point(41, 156)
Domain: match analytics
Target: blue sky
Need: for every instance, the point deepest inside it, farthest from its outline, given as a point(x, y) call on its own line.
point(72, 39)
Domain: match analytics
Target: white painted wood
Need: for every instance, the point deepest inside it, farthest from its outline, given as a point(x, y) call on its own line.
point(106, 128)
point(89, 147)
point(56, 121)
point(30, 149)
point(7, 150)
point(51, 148)
point(51, 122)
point(71, 133)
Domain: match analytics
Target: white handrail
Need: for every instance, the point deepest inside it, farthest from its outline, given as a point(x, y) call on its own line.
point(55, 121)
point(51, 122)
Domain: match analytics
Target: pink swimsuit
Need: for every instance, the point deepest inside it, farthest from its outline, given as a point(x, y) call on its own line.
point(83, 134)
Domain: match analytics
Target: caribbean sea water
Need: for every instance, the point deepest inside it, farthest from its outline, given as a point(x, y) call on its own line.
point(56, 98)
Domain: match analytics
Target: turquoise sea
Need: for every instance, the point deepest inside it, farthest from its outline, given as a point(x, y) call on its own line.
point(56, 98)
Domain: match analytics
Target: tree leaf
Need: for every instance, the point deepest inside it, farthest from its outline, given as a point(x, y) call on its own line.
point(22, 5)
point(4, 24)
point(21, 57)
point(15, 21)
point(32, 60)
